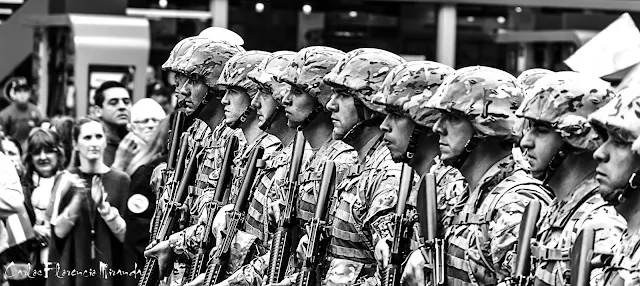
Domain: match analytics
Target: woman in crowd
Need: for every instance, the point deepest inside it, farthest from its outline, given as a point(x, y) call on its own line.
point(142, 201)
point(87, 228)
point(63, 125)
point(12, 149)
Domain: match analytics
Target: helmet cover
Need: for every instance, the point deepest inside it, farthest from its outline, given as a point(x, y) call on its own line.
point(621, 116)
point(205, 59)
point(235, 71)
point(268, 70)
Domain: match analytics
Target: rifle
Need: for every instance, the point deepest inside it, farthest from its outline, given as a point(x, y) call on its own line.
point(428, 217)
point(171, 176)
point(311, 270)
point(391, 275)
point(199, 265)
point(174, 144)
point(582, 254)
point(218, 263)
point(282, 240)
point(170, 219)
point(524, 260)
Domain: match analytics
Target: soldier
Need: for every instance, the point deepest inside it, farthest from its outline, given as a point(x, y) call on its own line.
point(305, 107)
point(477, 130)
point(618, 176)
point(198, 70)
point(261, 214)
point(409, 124)
point(365, 197)
point(559, 143)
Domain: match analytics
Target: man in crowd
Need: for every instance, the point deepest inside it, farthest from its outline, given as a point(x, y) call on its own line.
point(18, 118)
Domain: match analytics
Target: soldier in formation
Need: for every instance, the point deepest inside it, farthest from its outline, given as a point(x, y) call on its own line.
point(368, 111)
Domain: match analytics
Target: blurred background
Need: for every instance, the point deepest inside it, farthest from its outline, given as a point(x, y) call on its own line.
point(66, 48)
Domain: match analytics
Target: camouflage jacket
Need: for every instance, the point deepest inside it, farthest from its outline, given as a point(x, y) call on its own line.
point(624, 267)
point(561, 225)
point(359, 215)
point(481, 236)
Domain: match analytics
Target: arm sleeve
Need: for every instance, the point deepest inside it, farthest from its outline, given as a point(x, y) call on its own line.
point(66, 220)
point(382, 197)
point(12, 198)
point(114, 220)
point(609, 226)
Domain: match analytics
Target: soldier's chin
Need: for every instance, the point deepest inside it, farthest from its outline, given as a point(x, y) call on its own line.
point(293, 124)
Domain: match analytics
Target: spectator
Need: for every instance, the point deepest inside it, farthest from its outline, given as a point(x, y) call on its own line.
point(63, 126)
point(19, 117)
point(13, 150)
point(44, 159)
point(142, 200)
point(87, 228)
point(113, 107)
point(146, 114)
point(162, 95)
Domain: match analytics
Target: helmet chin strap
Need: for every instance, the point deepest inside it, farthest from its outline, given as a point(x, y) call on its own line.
point(357, 129)
point(458, 161)
point(247, 112)
point(411, 148)
point(267, 123)
point(618, 196)
point(555, 162)
point(318, 108)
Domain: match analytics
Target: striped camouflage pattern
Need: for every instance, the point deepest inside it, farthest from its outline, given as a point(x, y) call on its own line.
point(488, 97)
point(409, 86)
point(481, 237)
point(624, 269)
point(620, 116)
point(267, 72)
point(341, 154)
point(527, 78)
point(235, 71)
point(205, 60)
point(366, 193)
point(363, 71)
point(564, 100)
point(562, 223)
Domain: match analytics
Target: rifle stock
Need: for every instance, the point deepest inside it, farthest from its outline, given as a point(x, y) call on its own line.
point(199, 264)
point(218, 264)
point(176, 132)
point(582, 254)
point(170, 220)
point(524, 260)
point(282, 243)
point(391, 275)
point(428, 217)
point(311, 274)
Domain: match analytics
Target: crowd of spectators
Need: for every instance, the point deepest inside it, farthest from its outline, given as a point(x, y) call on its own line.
point(71, 187)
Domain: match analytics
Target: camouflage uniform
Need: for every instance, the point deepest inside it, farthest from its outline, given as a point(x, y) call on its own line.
point(364, 199)
point(481, 236)
point(622, 116)
point(564, 100)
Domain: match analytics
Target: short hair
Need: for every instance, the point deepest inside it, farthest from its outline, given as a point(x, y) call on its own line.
point(98, 97)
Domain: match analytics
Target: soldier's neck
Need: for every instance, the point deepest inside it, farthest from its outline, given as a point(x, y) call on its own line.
point(250, 129)
point(427, 149)
point(482, 158)
point(575, 168)
point(630, 210)
point(281, 130)
point(363, 143)
point(319, 130)
point(212, 114)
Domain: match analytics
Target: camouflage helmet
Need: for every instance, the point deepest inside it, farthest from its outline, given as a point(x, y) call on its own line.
point(488, 97)
point(527, 78)
point(236, 69)
point(620, 116)
point(268, 70)
point(205, 59)
point(565, 100)
point(178, 50)
point(409, 86)
point(363, 71)
point(307, 69)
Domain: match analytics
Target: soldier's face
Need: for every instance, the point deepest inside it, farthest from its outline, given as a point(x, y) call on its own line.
point(190, 92)
point(344, 115)
point(298, 105)
point(235, 101)
point(455, 131)
point(397, 132)
point(540, 143)
point(616, 163)
point(265, 106)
